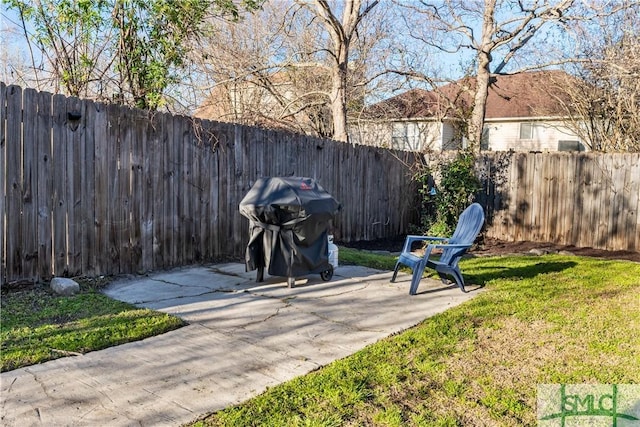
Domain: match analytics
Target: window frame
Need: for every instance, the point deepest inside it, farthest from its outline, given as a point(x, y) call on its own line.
point(530, 132)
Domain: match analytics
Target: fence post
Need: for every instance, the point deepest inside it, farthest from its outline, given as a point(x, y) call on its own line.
point(3, 193)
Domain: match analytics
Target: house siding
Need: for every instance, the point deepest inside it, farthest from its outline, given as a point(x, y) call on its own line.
point(400, 135)
point(371, 133)
point(505, 135)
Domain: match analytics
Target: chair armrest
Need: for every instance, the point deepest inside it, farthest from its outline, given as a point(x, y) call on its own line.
point(413, 238)
point(432, 246)
point(451, 245)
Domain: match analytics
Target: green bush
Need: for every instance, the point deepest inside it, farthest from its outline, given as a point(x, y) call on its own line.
point(426, 200)
point(455, 190)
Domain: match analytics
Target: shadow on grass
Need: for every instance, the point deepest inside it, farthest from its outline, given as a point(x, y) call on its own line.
point(481, 275)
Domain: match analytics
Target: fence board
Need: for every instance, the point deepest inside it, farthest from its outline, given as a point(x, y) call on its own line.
point(157, 174)
point(566, 184)
point(547, 227)
point(179, 224)
point(227, 219)
point(195, 151)
point(115, 203)
point(237, 223)
point(86, 191)
point(603, 199)
point(3, 163)
point(201, 205)
point(167, 232)
point(137, 219)
point(103, 152)
point(13, 256)
point(125, 191)
point(617, 235)
point(60, 201)
point(502, 175)
point(29, 186)
point(572, 222)
point(190, 194)
point(633, 194)
point(189, 165)
point(221, 193)
point(214, 203)
point(145, 196)
point(578, 197)
point(77, 216)
point(582, 199)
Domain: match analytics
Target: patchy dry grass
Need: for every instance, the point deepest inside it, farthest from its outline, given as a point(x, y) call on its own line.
point(548, 319)
point(38, 325)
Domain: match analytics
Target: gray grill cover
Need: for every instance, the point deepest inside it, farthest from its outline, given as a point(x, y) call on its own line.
point(288, 226)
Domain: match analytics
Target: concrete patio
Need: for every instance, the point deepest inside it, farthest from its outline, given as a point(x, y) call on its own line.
point(242, 337)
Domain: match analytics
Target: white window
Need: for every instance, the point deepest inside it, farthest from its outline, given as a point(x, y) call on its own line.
point(405, 136)
point(570, 146)
point(399, 139)
point(484, 142)
point(526, 130)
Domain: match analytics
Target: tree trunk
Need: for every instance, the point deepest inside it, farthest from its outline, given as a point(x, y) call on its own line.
point(480, 102)
point(339, 99)
point(483, 78)
point(341, 32)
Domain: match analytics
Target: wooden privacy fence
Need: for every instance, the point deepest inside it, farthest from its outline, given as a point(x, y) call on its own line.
point(580, 199)
point(91, 189)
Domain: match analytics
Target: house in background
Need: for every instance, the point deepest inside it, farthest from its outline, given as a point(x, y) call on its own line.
point(522, 114)
point(288, 99)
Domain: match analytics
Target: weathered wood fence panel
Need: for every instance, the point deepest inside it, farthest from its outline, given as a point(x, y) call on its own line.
point(580, 199)
point(90, 189)
point(3, 176)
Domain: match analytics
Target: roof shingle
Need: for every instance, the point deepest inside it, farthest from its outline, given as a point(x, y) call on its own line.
point(519, 95)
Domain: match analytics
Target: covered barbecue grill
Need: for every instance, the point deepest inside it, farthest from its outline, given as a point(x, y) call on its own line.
point(289, 220)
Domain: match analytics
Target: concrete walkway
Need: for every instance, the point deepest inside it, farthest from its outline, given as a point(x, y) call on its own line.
point(243, 337)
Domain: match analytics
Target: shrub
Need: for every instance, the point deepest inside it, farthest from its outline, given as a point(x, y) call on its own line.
point(455, 190)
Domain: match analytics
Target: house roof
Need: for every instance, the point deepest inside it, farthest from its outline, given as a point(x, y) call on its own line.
point(529, 94)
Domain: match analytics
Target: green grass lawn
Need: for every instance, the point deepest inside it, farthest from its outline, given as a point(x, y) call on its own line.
point(38, 325)
point(547, 319)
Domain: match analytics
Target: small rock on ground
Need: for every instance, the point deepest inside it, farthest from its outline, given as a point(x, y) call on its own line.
point(64, 286)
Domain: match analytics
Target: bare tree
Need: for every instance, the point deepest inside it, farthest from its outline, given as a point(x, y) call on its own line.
point(261, 71)
point(341, 30)
point(602, 97)
point(495, 31)
point(279, 67)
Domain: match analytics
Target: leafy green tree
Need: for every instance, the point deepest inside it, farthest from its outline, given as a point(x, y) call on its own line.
point(444, 191)
point(126, 50)
point(151, 42)
point(69, 37)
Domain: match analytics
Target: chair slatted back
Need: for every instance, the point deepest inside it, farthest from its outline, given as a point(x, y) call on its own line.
point(469, 225)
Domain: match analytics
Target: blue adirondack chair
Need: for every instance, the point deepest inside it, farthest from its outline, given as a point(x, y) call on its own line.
point(469, 225)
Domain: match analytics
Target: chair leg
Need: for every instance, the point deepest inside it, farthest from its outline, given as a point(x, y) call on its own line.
point(416, 278)
point(395, 272)
point(443, 278)
point(457, 275)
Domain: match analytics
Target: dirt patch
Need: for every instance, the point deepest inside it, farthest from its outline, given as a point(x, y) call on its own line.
point(499, 247)
point(492, 247)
